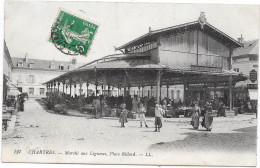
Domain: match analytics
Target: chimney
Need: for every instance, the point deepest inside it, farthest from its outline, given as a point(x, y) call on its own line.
point(241, 39)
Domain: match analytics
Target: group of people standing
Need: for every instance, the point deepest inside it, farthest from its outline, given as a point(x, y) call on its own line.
point(141, 109)
point(207, 118)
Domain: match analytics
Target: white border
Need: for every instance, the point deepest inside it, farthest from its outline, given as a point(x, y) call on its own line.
point(29, 165)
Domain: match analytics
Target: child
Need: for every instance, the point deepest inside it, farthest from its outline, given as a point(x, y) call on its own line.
point(158, 116)
point(123, 115)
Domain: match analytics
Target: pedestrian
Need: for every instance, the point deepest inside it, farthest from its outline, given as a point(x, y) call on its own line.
point(195, 115)
point(163, 114)
point(208, 118)
point(123, 114)
point(141, 111)
point(158, 116)
point(97, 107)
point(135, 104)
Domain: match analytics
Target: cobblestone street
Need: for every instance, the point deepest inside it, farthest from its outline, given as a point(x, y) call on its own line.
point(37, 129)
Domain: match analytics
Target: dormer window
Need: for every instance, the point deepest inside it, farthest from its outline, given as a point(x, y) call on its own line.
point(20, 64)
point(30, 65)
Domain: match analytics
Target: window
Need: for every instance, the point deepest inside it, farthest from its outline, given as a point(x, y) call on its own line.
point(236, 69)
point(20, 64)
point(31, 79)
point(253, 58)
point(61, 67)
point(255, 66)
point(31, 91)
point(41, 91)
point(30, 65)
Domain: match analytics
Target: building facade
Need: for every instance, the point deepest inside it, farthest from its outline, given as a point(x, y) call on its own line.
point(7, 72)
point(245, 61)
point(30, 74)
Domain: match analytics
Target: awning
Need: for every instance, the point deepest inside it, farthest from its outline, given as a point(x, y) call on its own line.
point(253, 94)
point(14, 92)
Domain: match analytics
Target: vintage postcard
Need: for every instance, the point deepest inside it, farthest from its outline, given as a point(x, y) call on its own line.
point(137, 83)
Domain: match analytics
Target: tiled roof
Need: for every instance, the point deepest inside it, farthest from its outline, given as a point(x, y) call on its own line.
point(139, 62)
point(154, 34)
point(249, 48)
point(40, 64)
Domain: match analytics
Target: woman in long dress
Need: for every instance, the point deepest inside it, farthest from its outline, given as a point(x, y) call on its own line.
point(208, 118)
point(195, 119)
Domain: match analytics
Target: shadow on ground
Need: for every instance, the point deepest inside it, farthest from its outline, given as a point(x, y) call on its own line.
point(242, 141)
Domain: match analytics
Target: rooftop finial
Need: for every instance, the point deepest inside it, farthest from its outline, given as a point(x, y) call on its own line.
point(202, 19)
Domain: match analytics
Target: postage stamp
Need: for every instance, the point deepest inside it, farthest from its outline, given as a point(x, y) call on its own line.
point(72, 35)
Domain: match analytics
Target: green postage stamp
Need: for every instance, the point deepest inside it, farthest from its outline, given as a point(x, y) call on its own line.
point(72, 35)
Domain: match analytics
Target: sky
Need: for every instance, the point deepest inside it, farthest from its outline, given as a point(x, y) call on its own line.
point(28, 24)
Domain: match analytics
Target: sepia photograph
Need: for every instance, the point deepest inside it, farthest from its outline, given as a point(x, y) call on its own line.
point(130, 83)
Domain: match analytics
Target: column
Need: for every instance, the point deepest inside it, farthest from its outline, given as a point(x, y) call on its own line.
point(151, 92)
point(184, 92)
point(142, 91)
point(230, 93)
point(139, 95)
point(63, 82)
point(75, 91)
point(96, 87)
point(125, 86)
point(54, 86)
point(87, 88)
point(215, 87)
point(58, 86)
point(70, 88)
point(158, 87)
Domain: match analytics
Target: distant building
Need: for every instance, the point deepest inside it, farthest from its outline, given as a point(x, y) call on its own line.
point(29, 74)
point(245, 61)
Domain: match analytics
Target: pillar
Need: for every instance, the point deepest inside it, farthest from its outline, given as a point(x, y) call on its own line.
point(54, 86)
point(63, 82)
point(215, 87)
point(142, 91)
point(230, 93)
point(125, 86)
point(75, 91)
point(58, 87)
point(184, 92)
point(158, 86)
point(160, 92)
point(151, 91)
point(96, 87)
point(139, 87)
point(70, 88)
point(87, 88)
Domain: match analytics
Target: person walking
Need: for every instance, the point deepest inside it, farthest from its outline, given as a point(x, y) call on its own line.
point(141, 111)
point(208, 118)
point(195, 115)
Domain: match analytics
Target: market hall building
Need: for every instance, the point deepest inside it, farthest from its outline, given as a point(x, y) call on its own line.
point(195, 55)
